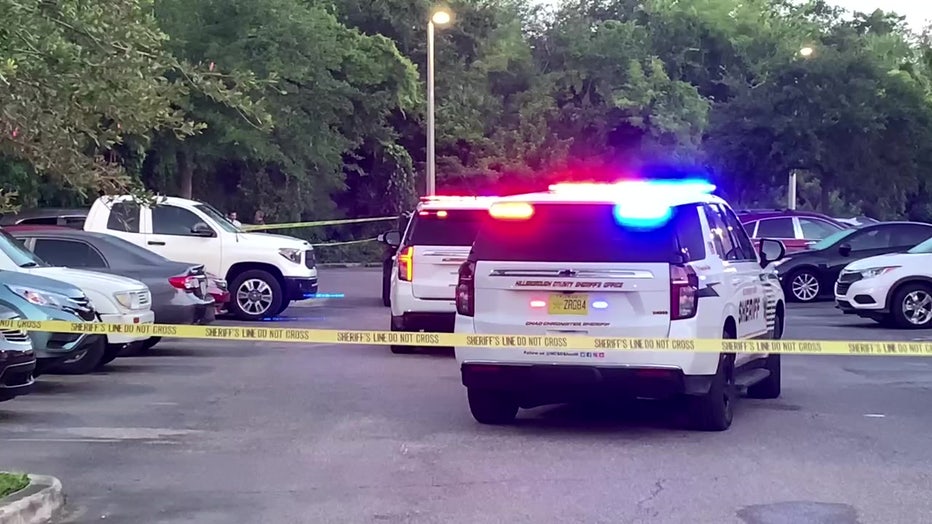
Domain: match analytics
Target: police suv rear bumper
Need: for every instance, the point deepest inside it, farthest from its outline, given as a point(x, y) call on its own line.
point(539, 384)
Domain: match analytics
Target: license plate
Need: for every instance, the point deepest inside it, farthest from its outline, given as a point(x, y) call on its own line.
point(568, 305)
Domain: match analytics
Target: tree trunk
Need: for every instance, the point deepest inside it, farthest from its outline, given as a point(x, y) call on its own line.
point(185, 175)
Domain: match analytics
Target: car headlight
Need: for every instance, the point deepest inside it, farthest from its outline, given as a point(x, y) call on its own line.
point(876, 271)
point(132, 299)
point(778, 262)
point(291, 254)
point(41, 297)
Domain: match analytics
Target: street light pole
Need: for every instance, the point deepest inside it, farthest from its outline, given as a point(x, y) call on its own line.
point(431, 153)
point(439, 17)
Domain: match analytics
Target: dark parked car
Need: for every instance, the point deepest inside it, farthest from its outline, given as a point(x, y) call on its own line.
point(809, 275)
point(73, 218)
point(796, 229)
point(179, 290)
point(17, 359)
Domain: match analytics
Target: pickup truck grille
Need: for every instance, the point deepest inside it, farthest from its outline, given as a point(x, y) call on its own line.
point(310, 259)
point(144, 297)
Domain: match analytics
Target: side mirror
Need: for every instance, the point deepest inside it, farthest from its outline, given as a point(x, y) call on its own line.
point(770, 251)
point(391, 238)
point(844, 249)
point(202, 230)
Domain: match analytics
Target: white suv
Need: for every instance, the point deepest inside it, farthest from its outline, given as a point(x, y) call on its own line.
point(424, 271)
point(657, 259)
point(894, 289)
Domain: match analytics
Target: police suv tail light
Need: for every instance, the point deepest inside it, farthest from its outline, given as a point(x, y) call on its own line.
point(684, 292)
point(406, 264)
point(466, 290)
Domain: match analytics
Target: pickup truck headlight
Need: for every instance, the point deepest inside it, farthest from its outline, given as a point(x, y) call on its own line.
point(876, 271)
point(133, 300)
point(41, 297)
point(291, 254)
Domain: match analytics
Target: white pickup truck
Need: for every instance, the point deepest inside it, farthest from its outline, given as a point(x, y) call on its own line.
point(265, 272)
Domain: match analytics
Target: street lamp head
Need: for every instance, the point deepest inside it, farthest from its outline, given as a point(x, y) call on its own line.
point(441, 17)
point(806, 51)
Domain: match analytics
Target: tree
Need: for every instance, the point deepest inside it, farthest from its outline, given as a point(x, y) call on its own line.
point(79, 77)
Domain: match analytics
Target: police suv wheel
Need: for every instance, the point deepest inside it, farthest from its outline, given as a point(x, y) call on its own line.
point(491, 407)
point(714, 411)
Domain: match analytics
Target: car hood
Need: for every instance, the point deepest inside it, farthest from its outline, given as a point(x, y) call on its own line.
point(266, 240)
point(893, 259)
point(41, 283)
point(92, 278)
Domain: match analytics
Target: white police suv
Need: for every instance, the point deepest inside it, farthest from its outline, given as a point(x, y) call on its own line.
point(424, 274)
point(651, 259)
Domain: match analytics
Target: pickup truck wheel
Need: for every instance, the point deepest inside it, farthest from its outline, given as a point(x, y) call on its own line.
point(85, 360)
point(256, 295)
point(283, 307)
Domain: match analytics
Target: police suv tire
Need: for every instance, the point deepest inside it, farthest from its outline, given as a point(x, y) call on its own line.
point(491, 407)
point(88, 362)
point(397, 325)
point(255, 274)
point(769, 388)
point(386, 286)
point(713, 411)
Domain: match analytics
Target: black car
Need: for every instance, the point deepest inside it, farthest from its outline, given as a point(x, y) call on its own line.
point(179, 290)
point(809, 275)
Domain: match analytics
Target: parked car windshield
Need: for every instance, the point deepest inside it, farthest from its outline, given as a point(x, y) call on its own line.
point(832, 239)
point(218, 217)
point(17, 253)
point(925, 247)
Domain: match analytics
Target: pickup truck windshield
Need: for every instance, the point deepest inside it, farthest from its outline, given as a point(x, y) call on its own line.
point(16, 253)
point(218, 217)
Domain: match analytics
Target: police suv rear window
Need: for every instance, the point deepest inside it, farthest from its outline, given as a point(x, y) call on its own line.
point(588, 233)
point(454, 227)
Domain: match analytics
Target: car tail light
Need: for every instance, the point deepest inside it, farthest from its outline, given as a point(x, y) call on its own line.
point(684, 292)
point(406, 264)
point(187, 283)
point(466, 290)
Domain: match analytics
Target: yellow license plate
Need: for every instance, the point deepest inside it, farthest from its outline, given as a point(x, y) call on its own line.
point(568, 305)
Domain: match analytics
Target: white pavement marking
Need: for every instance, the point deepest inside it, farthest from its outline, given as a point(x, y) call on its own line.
point(874, 415)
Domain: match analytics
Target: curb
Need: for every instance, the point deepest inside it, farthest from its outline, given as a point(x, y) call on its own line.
point(37, 503)
point(349, 264)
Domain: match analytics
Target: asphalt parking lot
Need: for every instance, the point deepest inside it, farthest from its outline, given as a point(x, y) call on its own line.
point(243, 432)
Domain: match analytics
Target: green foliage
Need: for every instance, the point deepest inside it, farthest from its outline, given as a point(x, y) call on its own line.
point(12, 482)
point(309, 109)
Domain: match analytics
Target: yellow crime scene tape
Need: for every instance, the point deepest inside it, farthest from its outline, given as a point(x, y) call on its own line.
point(338, 222)
point(559, 345)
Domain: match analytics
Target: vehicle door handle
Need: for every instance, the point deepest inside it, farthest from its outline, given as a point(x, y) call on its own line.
point(154, 243)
